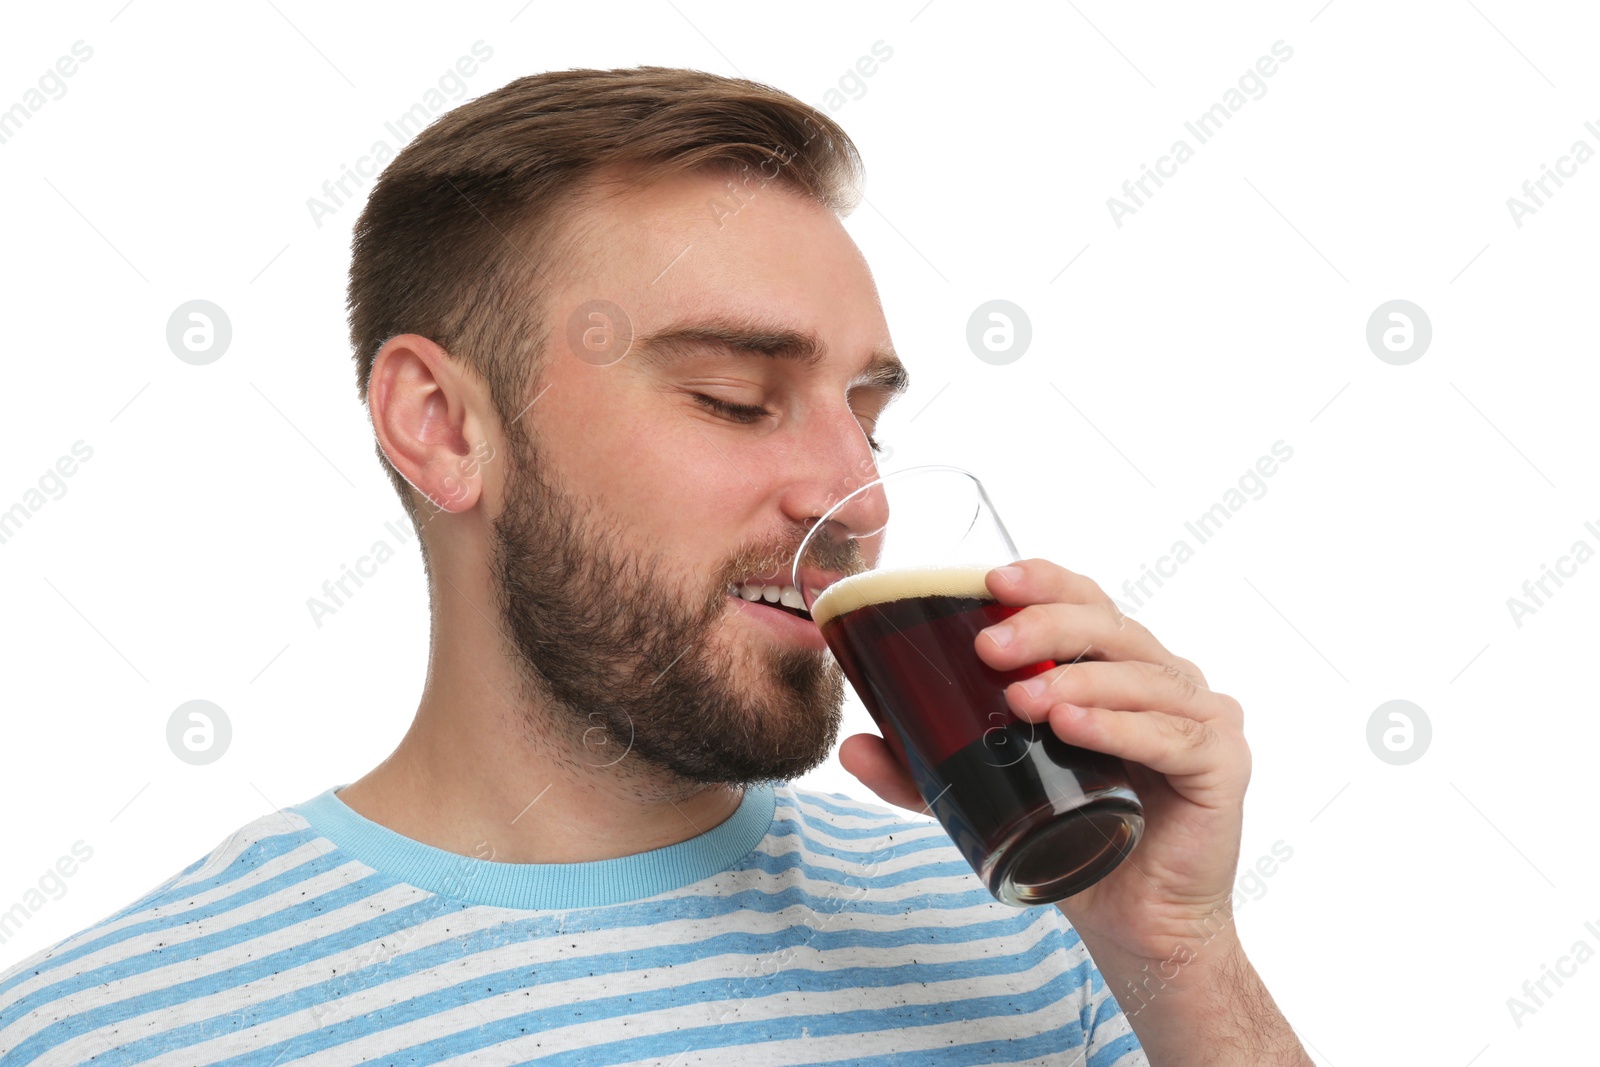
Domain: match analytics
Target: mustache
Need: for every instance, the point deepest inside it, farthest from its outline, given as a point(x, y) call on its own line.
point(773, 560)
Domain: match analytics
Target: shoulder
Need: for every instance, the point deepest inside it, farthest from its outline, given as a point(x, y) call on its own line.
point(50, 1001)
point(852, 827)
point(841, 806)
point(905, 862)
point(877, 855)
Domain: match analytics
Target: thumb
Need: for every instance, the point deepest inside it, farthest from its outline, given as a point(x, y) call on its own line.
point(869, 758)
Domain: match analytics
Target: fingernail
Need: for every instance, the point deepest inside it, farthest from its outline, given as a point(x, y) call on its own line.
point(1033, 686)
point(1075, 712)
point(1012, 575)
point(1001, 634)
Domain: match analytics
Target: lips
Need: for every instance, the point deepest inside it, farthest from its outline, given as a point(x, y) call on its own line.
point(792, 626)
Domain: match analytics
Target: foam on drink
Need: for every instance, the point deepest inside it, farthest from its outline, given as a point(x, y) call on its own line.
point(886, 586)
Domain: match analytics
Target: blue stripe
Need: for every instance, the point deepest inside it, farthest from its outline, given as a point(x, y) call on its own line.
point(839, 804)
point(1067, 1037)
point(1109, 1008)
point(859, 833)
point(784, 830)
point(789, 861)
point(156, 892)
point(1109, 1052)
point(221, 906)
point(734, 1032)
point(602, 1008)
point(117, 1011)
point(439, 955)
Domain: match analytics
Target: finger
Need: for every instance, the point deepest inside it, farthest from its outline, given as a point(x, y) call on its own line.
point(1067, 632)
point(1171, 745)
point(1189, 667)
point(1038, 581)
point(870, 759)
point(1127, 685)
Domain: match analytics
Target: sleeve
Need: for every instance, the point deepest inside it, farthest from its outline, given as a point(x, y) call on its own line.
point(1109, 1037)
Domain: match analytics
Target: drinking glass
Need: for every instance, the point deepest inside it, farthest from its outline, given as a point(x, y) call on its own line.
point(1038, 819)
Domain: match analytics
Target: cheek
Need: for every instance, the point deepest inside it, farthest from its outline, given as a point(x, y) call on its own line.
point(664, 484)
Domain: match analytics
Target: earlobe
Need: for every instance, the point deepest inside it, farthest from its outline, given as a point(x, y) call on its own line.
point(423, 414)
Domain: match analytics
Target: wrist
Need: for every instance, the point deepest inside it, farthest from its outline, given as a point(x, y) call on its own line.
point(1199, 1003)
point(1169, 942)
point(1196, 967)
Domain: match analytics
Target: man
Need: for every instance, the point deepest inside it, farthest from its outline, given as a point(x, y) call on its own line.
point(619, 353)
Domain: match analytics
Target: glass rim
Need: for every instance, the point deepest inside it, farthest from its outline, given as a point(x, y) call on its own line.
point(922, 468)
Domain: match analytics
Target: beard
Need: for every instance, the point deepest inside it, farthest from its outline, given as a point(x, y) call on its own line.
point(619, 658)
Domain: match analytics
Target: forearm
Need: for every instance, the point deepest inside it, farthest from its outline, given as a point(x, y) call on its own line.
point(1203, 1005)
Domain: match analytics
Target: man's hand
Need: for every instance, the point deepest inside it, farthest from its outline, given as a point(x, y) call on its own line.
point(1168, 908)
point(1117, 689)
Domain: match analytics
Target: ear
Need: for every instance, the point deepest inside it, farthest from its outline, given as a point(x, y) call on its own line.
point(432, 416)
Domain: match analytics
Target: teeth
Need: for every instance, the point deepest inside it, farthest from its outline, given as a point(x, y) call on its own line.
point(787, 595)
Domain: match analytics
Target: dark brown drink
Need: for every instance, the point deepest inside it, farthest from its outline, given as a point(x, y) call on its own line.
point(1038, 819)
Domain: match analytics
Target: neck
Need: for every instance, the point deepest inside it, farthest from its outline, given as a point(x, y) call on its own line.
point(490, 769)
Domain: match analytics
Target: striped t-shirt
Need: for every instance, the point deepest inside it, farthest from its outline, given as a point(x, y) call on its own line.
point(807, 928)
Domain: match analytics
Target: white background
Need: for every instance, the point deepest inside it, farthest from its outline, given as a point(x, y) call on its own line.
point(1228, 313)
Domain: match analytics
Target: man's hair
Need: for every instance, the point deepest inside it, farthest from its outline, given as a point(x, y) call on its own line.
point(451, 241)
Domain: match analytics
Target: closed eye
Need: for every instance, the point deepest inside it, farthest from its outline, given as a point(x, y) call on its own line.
point(736, 412)
point(748, 413)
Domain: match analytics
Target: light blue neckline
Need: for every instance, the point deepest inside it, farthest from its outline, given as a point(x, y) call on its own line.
point(543, 885)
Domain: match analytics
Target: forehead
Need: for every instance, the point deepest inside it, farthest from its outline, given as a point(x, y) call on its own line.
point(717, 243)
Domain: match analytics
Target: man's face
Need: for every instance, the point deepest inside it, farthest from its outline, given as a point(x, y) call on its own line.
point(645, 490)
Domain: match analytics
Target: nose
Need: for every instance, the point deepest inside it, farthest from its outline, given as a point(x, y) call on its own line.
point(833, 495)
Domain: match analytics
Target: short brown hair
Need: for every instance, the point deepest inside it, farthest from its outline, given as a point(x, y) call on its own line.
point(449, 242)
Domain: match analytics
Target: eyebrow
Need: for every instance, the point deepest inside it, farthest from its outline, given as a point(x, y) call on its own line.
point(884, 370)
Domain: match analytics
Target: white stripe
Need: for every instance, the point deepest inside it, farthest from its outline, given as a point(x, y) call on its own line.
point(885, 836)
point(782, 1004)
point(878, 860)
point(235, 999)
point(168, 911)
point(815, 797)
point(534, 954)
point(826, 891)
point(745, 972)
point(862, 820)
point(449, 927)
point(211, 963)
